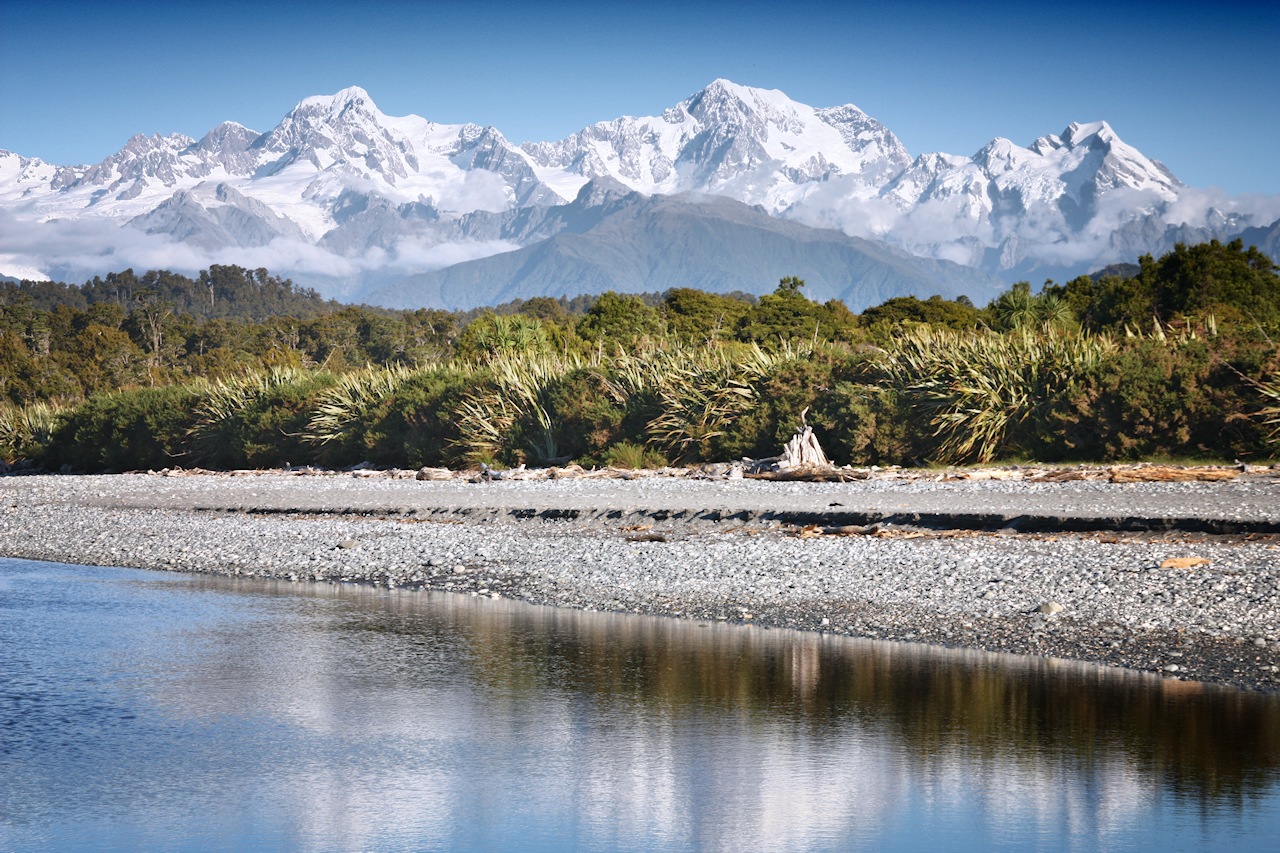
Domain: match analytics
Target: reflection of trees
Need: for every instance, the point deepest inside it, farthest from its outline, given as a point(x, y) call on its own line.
point(1211, 743)
point(1020, 714)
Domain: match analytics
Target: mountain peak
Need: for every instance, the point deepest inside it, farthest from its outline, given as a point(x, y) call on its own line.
point(1002, 155)
point(345, 130)
point(1077, 133)
point(229, 135)
point(602, 190)
point(350, 96)
point(722, 86)
point(715, 97)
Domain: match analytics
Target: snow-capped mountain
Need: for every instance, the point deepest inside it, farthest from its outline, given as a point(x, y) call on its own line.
point(349, 199)
point(755, 145)
point(1008, 203)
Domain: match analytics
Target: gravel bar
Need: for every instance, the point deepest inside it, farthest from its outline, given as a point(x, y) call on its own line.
point(1177, 578)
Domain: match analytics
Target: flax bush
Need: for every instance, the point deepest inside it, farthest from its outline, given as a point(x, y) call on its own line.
point(510, 418)
point(983, 394)
point(256, 420)
point(1270, 414)
point(337, 425)
point(696, 395)
point(25, 431)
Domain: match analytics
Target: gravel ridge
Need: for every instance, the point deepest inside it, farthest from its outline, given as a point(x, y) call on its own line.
point(724, 551)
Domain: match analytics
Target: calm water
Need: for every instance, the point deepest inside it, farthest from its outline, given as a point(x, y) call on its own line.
point(146, 711)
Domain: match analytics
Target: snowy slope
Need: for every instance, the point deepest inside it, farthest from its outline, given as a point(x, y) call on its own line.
point(755, 145)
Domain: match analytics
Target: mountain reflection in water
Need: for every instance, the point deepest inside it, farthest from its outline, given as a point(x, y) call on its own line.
point(145, 710)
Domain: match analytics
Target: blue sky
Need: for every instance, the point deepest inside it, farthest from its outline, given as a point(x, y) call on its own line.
point(1194, 85)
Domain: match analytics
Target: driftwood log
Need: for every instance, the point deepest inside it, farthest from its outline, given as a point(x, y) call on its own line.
point(1169, 474)
point(802, 459)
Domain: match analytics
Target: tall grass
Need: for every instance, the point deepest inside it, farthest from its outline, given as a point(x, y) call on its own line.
point(982, 392)
point(509, 417)
point(25, 431)
point(339, 409)
point(700, 391)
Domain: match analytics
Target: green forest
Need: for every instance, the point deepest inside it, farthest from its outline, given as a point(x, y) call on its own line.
point(1170, 358)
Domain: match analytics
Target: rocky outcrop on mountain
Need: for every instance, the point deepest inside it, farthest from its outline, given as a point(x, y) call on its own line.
point(227, 218)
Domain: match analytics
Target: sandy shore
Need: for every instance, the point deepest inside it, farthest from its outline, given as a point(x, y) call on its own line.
point(1178, 578)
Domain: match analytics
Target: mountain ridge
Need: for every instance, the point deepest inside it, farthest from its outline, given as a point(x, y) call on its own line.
point(631, 242)
point(350, 198)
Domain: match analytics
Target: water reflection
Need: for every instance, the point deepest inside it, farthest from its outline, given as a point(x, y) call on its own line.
point(327, 717)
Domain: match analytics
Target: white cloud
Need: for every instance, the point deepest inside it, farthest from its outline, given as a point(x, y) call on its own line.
point(416, 257)
point(950, 229)
point(1197, 207)
point(74, 250)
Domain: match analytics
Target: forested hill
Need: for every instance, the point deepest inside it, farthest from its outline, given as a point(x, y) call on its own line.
point(220, 292)
point(1175, 358)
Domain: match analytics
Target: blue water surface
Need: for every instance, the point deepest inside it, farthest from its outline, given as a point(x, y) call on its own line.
point(148, 711)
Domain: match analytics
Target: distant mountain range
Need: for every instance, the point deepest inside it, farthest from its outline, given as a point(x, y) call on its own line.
point(730, 189)
point(614, 238)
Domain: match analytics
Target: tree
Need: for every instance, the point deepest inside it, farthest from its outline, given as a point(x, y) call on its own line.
point(782, 315)
point(1234, 284)
point(104, 358)
point(546, 308)
point(151, 317)
point(620, 320)
point(430, 334)
point(935, 311)
point(17, 369)
point(695, 316)
point(1018, 308)
point(492, 335)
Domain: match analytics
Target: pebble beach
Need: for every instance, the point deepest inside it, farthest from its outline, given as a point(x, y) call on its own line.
point(1177, 578)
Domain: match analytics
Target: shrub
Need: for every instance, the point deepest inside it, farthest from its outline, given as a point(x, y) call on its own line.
point(585, 419)
point(132, 430)
point(779, 396)
point(629, 454)
point(863, 424)
point(417, 425)
point(1159, 398)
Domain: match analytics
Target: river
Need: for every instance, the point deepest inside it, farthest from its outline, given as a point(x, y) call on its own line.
point(152, 711)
